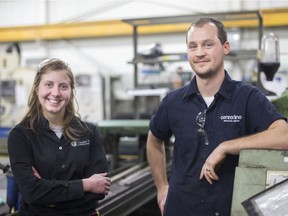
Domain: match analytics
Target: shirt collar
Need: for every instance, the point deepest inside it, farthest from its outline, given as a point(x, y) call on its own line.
point(225, 90)
point(191, 89)
point(43, 122)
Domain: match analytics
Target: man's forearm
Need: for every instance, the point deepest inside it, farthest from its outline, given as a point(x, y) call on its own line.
point(275, 137)
point(157, 161)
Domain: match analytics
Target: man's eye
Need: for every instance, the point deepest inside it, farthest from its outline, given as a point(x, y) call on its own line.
point(208, 45)
point(192, 47)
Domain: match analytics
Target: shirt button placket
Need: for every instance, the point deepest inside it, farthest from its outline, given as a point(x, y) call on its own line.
point(63, 166)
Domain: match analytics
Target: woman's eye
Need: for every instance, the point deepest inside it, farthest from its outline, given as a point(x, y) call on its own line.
point(48, 84)
point(64, 87)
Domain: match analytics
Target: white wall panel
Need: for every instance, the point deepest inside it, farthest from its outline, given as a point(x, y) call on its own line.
point(22, 12)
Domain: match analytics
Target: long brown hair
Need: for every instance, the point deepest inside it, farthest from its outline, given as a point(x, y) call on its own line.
point(34, 114)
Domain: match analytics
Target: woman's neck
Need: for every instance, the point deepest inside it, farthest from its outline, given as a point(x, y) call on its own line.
point(55, 120)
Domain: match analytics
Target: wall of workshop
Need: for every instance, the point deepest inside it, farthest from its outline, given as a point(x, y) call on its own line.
point(104, 57)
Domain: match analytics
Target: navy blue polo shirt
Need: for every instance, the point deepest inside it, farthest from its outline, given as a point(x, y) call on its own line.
point(238, 109)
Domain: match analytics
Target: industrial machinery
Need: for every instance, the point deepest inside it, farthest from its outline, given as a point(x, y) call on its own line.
point(281, 103)
point(269, 60)
point(270, 55)
point(131, 188)
point(132, 182)
point(255, 174)
point(15, 84)
point(272, 201)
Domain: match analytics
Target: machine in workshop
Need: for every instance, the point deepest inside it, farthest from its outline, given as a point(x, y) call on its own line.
point(259, 170)
point(15, 82)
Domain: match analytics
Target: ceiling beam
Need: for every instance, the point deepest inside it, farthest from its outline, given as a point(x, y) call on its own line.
point(271, 18)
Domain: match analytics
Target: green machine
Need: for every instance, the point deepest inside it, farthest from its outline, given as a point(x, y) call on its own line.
point(281, 103)
point(112, 130)
point(257, 170)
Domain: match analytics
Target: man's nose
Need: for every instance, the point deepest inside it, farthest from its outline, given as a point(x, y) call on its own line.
point(200, 51)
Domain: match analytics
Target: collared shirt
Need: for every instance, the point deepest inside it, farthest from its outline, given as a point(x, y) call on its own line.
point(61, 163)
point(238, 109)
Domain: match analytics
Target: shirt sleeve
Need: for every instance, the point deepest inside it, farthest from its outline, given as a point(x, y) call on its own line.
point(159, 123)
point(98, 162)
point(261, 112)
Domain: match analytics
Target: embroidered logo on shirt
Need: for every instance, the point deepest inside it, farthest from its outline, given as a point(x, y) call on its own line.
point(80, 143)
point(231, 118)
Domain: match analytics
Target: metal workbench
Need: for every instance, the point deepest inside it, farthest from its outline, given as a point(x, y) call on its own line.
point(111, 130)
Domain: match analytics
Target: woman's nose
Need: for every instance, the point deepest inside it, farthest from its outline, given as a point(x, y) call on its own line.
point(55, 90)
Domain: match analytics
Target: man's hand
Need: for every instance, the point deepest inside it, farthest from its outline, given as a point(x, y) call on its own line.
point(161, 198)
point(212, 164)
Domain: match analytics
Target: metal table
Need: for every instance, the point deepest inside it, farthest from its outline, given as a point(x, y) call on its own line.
point(112, 129)
point(137, 126)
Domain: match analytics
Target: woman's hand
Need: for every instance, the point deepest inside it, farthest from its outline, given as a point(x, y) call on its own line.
point(35, 172)
point(97, 183)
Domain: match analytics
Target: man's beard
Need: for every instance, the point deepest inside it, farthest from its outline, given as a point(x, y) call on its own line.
point(207, 75)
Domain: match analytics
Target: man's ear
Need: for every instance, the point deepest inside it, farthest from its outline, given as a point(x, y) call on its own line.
point(226, 48)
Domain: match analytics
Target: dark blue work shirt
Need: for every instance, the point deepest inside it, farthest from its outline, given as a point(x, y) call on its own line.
point(238, 109)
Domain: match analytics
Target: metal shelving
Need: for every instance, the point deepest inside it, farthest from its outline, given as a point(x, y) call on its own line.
point(176, 57)
point(226, 18)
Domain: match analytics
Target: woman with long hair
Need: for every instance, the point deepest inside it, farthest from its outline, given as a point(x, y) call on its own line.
point(58, 160)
